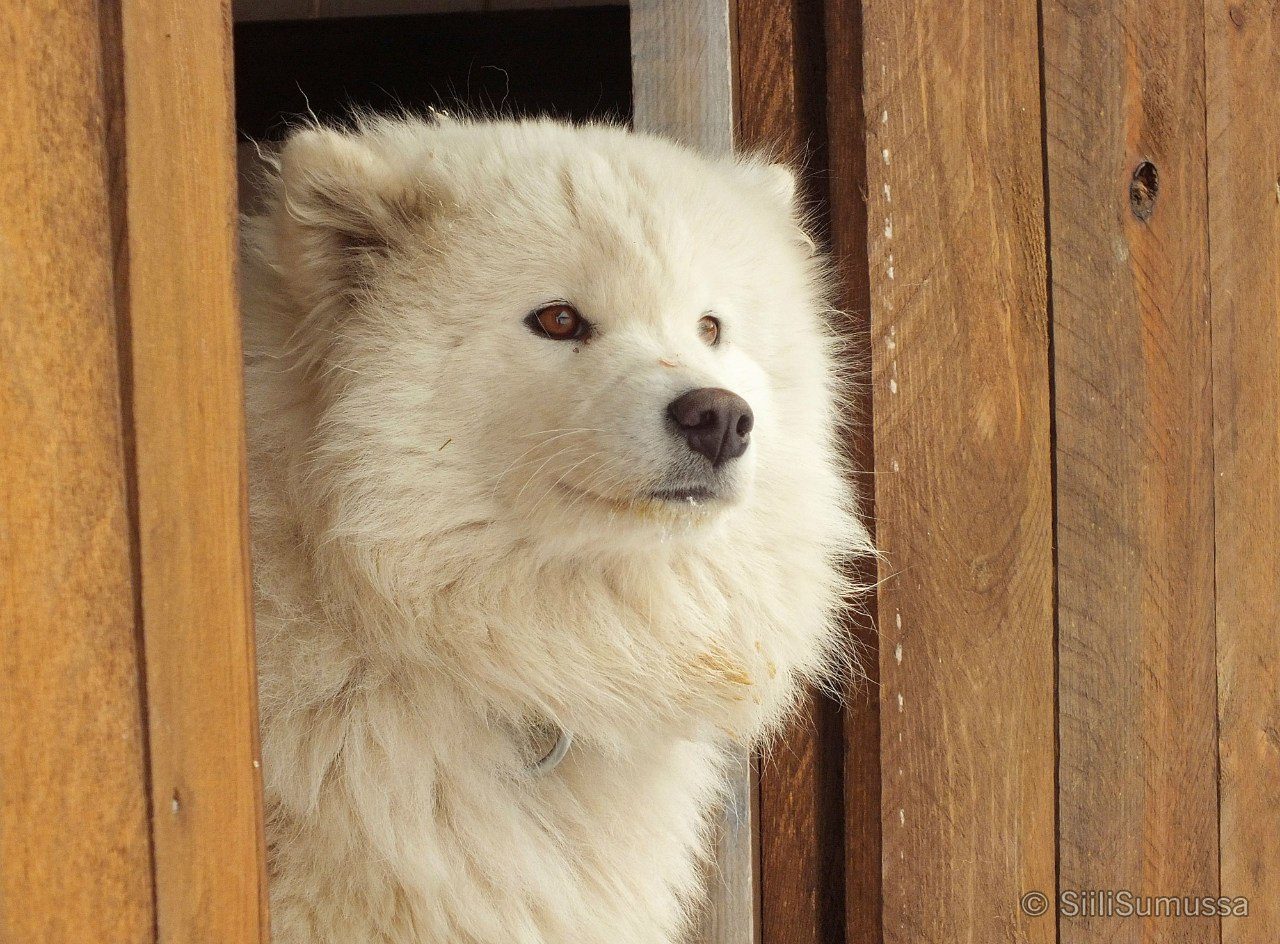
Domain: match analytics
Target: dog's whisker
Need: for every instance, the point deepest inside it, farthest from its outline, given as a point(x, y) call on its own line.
point(545, 442)
point(557, 483)
point(565, 429)
point(534, 475)
point(568, 501)
point(596, 484)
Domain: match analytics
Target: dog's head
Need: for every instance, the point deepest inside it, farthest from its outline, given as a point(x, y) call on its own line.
point(579, 333)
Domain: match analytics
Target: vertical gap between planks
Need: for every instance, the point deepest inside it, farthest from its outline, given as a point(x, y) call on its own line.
point(111, 31)
point(1053, 470)
point(1213, 438)
point(1242, 79)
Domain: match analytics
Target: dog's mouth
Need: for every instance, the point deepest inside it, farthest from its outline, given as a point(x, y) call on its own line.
point(690, 495)
point(692, 499)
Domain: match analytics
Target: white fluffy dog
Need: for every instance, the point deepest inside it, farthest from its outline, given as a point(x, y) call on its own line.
point(543, 455)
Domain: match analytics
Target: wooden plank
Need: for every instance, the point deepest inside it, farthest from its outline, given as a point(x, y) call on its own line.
point(1243, 54)
point(189, 421)
point(75, 859)
point(682, 71)
point(847, 233)
point(682, 78)
point(801, 830)
point(732, 912)
point(781, 109)
point(963, 490)
point(1124, 83)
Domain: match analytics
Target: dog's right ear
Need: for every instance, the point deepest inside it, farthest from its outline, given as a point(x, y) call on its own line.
point(341, 209)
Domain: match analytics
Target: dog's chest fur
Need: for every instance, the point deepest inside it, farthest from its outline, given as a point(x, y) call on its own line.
point(404, 807)
point(402, 819)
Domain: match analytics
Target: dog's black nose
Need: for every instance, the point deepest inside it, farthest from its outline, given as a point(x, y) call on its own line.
point(716, 422)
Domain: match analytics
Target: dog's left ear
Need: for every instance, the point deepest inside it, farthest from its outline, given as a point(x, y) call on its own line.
point(779, 184)
point(342, 209)
point(777, 180)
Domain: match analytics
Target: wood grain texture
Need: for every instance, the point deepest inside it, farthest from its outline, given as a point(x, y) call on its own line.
point(963, 491)
point(847, 234)
point(1243, 52)
point(189, 429)
point(1124, 83)
point(683, 87)
point(75, 858)
point(682, 71)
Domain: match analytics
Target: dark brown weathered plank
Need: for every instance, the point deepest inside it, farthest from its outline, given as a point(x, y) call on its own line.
point(1124, 84)
point(847, 228)
point(1243, 57)
point(75, 859)
point(780, 110)
point(963, 470)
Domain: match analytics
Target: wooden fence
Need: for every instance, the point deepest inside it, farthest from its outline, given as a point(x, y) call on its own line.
point(1057, 225)
point(1059, 231)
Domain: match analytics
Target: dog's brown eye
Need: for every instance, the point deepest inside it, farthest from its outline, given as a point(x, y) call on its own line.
point(709, 329)
point(560, 322)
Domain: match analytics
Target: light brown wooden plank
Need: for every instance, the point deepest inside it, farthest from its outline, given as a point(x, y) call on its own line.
point(731, 914)
point(189, 421)
point(963, 491)
point(683, 88)
point(1124, 83)
point(682, 71)
point(1243, 49)
point(75, 860)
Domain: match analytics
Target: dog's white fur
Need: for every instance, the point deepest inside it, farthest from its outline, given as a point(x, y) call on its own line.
point(451, 542)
